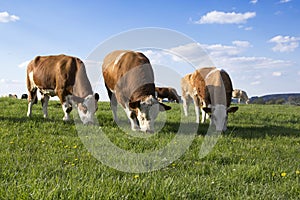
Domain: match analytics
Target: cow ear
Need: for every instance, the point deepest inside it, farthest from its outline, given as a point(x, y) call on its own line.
point(232, 109)
point(96, 95)
point(134, 105)
point(206, 109)
point(163, 107)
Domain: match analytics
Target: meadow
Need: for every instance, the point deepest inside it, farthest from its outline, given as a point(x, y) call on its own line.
point(258, 157)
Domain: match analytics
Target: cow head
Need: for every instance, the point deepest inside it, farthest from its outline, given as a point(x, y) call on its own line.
point(219, 116)
point(146, 112)
point(87, 107)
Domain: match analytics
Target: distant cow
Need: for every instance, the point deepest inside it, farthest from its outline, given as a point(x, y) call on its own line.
point(129, 81)
point(240, 95)
point(13, 96)
point(24, 96)
point(167, 92)
point(211, 89)
point(65, 77)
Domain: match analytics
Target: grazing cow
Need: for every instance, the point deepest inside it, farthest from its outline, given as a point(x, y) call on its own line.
point(167, 92)
point(24, 96)
point(129, 81)
point(240, 95)
point(65, 77)
point(210, 89)
point(13, 96)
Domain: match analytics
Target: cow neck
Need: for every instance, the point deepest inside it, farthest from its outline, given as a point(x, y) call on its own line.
point(82, 87)
point(143, 92)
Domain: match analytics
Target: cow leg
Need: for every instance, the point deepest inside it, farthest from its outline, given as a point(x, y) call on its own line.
point(114, 107)
point(197, 108)
point(32, 99)
point(44, 100)
point(66, 106)
point(66, 103)
point(132, 119)
point(113, 103)
point(204, 115)
point(185, 104)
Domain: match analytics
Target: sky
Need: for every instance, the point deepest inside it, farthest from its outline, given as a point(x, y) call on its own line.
point(255, 41)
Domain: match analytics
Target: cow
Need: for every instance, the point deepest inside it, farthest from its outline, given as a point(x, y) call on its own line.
point(129, 80)
point(13, 96)
point(63, 76)
point(24, 96)
point(240, 95)
point(211, 89)
point(167, 92)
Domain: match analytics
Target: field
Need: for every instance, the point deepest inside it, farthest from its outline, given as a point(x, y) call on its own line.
point(258, 157)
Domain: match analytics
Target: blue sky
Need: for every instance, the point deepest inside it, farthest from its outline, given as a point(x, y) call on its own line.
point(255, 41)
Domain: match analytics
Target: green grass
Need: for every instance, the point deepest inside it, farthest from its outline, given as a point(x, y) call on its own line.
point(258, 157)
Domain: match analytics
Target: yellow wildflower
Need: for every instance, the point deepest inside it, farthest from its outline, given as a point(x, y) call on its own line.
point(297, 172)
point(283, 174)
point(136, 176)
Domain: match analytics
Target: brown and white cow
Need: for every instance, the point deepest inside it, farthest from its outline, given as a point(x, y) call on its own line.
point(240, 95)
point(211, 89)
point(129, 81)
point(63, 76)
point(167, 92)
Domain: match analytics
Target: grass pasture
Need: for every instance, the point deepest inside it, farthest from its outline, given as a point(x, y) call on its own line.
point(258, 157)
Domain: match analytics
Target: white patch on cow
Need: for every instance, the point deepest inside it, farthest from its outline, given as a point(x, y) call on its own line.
point(87, 109)
point(147, 113)
point(32, 84)
point(185, 106)
point(49, 92)
point(30, 104)
point(219, 117)
point(118, 59)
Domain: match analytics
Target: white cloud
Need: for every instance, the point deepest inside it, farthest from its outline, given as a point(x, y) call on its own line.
point(24, 64)
point(253, 1)
point(8, 81)
point(284, 43)
point(229, 57)
point(248, 28)
point(5, 17)
point(299, 73)
point(218, 17)
point(276, 74)
point(255, 83)
point(240, 43)
point(284, 1)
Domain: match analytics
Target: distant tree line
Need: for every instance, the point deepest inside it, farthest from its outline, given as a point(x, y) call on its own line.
point(292, 100)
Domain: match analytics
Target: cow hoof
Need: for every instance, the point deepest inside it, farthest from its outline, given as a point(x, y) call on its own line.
point(66, 119)
point(136, 128)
